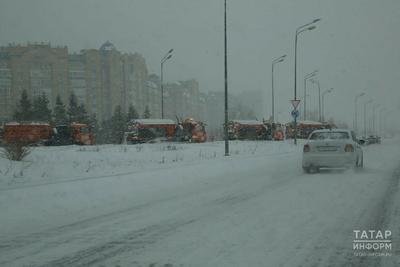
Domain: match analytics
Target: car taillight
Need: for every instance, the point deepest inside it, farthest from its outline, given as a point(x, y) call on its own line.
point(306, 148)
point(349, 148)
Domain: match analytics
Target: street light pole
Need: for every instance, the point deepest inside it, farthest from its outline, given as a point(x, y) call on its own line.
point(278, 60)
point(167, 56)
point(365, 116)
point(226, 85)
point(308, 96)
point(323, 103)
point(308, 76)
point(373, 118)
point(355, 124)
point(305, 27)
point(319, 99)
point(381, 122)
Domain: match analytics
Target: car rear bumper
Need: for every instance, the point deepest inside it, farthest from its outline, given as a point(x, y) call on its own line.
point(332, 160)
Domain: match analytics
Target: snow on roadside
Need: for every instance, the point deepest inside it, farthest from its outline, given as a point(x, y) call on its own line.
point(55, 164)
point(31, 209)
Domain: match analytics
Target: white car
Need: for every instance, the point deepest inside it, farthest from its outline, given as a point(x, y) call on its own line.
point(332, 148)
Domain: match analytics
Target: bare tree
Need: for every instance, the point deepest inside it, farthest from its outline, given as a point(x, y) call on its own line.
point(16, 151)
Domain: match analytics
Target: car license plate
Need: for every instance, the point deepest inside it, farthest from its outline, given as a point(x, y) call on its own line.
point(327, 148)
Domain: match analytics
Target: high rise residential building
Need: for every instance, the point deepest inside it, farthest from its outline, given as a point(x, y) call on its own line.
point(77, 78)
point(135, 76)
point(5, 88)
point(153, 95)
point(114, 79)
point(101, 79)
point(36, 68)
point(182, 100)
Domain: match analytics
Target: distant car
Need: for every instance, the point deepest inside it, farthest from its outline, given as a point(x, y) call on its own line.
point(374, 139)
point(362, 140)
point(332, 148)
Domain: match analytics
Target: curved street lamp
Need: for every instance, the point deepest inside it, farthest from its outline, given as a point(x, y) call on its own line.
point(327, 91)
point(355, 111)
point(303, 28)
point(278, 60)
point(167, 56)
point(373, 117)
point(381, 122)
point(365, 116)
point(308, 76)
point(319, 99)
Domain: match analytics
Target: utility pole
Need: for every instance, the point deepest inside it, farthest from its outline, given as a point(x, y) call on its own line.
point(167, 56)
point(278, 60)
point(226, 85)
point(323, 102)
point(308, 76)
point(365, 117)
point(356, 111)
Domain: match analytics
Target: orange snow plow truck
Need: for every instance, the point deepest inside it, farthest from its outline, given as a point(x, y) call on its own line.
point(74, 133)
point(44, 134)
point(162, 130)
point(247, 130)
point(149, 131)
point(191, 130)
point(27, 133)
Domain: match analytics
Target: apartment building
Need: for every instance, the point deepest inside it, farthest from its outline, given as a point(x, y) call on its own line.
point(102, 79)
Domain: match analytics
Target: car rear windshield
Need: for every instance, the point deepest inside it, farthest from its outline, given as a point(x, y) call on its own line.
point(329, 135)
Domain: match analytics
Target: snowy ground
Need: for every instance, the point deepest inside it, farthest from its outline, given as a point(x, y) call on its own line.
point(57, 164)
point(188, 205)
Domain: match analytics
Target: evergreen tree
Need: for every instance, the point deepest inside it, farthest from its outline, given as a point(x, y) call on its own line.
point(132, 113)
point(36, 108)
point(41, 110)
point(93, 124)
point(118, 125)
point(24, 108)
point(104, 133)
point(82, 115)
point(147, 113)
point(60, 114)
point(73, 108)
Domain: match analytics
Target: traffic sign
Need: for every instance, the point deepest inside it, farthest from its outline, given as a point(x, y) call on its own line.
point(295, 103)
point(295, 113)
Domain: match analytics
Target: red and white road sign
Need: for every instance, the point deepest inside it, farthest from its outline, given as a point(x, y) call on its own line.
point(295, 103)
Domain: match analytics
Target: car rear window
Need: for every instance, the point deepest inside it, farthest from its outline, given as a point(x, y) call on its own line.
point(329, 135)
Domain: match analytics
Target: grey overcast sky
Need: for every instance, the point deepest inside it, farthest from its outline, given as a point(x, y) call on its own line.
point(355, 47)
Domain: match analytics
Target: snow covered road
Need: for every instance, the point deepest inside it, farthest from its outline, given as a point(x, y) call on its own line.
point(254, 209)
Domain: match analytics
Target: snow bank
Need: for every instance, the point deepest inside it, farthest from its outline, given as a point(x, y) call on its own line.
point(57, 164)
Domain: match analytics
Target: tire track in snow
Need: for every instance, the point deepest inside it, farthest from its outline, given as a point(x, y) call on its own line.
point(50, 238)
point(327, 255)
point(380, 219)
point(132, 242)
point(20, 242)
